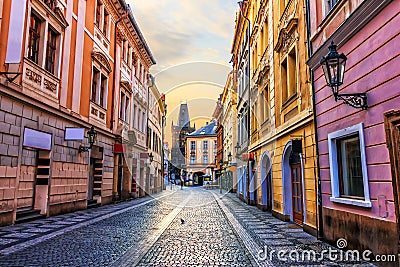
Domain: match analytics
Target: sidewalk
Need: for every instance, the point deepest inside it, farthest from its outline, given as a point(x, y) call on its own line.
point(14, 236)
point(282, 243)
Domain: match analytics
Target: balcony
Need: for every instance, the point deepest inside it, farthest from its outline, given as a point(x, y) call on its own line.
point(97, 113)
point(101, 40)
point(40, 83)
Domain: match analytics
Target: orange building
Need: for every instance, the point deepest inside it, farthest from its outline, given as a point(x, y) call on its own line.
point(67, 66)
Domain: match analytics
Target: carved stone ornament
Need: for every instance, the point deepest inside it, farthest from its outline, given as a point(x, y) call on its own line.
point(101, 59)
point(285, 41)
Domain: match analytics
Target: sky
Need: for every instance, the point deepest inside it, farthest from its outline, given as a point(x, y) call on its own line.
point(191, 42)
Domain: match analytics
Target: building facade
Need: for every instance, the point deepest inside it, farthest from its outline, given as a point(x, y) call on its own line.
point(358, 148)
point(294, 166)
point(155, 132)
point(229, 136)
point(241, 66)
point(67, 66)
point(276, 145)
point(201, 147)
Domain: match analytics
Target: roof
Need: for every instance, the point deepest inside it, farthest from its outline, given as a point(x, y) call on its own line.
point(209, 129)
point(126, 8)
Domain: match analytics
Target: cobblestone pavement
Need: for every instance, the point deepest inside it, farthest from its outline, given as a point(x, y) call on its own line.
point(270, 236)
point(217, 231)
point(204, 239)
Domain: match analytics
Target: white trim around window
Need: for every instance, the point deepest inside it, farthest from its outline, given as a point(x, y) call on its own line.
point(334, 166)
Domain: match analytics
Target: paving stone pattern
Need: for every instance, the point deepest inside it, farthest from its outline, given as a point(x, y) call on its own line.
point(97, 244)
point(218, 230)
point(205, 239)
point(272, 234)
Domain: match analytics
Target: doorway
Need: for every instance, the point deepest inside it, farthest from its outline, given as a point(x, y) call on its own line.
point(297, 195)
point(91, 179)
point(266, 182)
point(392, 127)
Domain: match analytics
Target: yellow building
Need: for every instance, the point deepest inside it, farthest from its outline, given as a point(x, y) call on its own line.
point(279, 168)
point(201, 147)
point(294, 168)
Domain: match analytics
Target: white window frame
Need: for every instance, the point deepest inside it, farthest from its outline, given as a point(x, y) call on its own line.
point(334, 171)
point(125, 106)
point(46, 24)
point(205, 145)
point(98, 88)
point(204, 159)
point(103, 19)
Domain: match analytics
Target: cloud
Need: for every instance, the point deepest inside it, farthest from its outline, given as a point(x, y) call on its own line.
point(185, 31)
point(191, 42)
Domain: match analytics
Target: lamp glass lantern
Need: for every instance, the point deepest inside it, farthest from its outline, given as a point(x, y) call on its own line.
point(334, 66)
point(91, 135)
point(237, 148)
point(230, 157)
point(151, 157)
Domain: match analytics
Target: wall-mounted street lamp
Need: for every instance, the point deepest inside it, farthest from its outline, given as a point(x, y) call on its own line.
point(151, 157)
point(230, 157)
point(237, 149)
point(91, 135)
point(334, 65)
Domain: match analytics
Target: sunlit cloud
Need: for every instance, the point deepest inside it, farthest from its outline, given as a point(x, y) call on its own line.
point(191, 42)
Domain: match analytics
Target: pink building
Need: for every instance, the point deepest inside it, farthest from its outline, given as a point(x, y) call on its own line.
point(358, 149)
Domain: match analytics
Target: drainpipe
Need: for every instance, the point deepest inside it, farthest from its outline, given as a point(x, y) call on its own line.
point(320, 231)
point(116, 156)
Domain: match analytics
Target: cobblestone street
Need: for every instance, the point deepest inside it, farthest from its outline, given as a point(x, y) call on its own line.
point(189, 227)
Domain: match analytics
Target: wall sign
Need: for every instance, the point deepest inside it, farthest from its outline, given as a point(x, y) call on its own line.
point(74, 133)
point(36, 139)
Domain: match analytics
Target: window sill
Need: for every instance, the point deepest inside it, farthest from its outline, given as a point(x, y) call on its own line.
point(354, 202)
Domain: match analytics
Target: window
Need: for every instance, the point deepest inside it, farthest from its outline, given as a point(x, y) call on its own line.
point(34, 38)
point(205, 146)
point(124, 52)
point(265, 107)
point(124, 107)
point(102, 18)
point(348, 167)
point(51, 50)
point(192, 159)
point(43, 46)
point(350, 170)
point(95, 78)
point(289, 75)
point(205, 159)
point(332, 3)
point(99, 88)
point(98, 13)
point(192, 145)
point(105, 23)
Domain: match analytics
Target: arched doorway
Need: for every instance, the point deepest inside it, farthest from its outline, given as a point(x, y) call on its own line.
point(266, 181)
point(293, 185)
